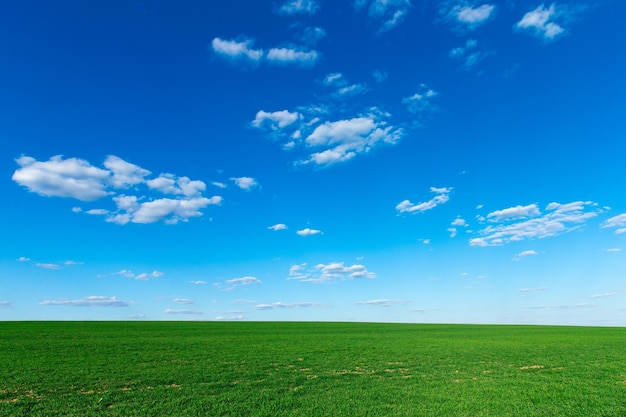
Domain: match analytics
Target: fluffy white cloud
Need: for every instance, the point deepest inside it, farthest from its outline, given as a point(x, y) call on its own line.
point(473, 17)
point(124, 174)
point(58, 177)
point(237, 49)
point(91, 301)
point(328, 272)
point(442, 196)
point(541, 22)
point(78, 179)
point(382, 302)
point(308, 232)
point(277, 305)
point(275, 120)
point(299, 7)
point(527, 222)
point(459, 222)
point(245, 183)
point(278, 226)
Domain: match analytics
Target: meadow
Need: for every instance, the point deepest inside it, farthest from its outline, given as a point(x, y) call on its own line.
point(309, 369)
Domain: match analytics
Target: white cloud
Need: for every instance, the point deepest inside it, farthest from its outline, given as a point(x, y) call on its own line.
point(468, 54)
point(421, 102)
point(565, 306)
point(91, 301)
point(59, 177)
point(527, 222)
point(23, 259)
point(237, 50)
point(603, 295)
point(127, 273)
point(198, 282)
point(524, 254)
point(441, 197)
point(48, 266)
point(516, 212)
point(5, 304)
point(292, 56)
point(124, 174)
point(312, 35)
point(245, 183)
point(614, 250)
point(219, 184)
point(183, 300)
point(80, 180)
point(308, 232)
point(389, 12)
point(235, 282)
point(541, 22)
point(328, 272)
point(277, 305)
point(459, 222)
point(530, 290)
point(382, 302)
point(299, 7)
point(278, 226)
point(344, 139)
point(275, 120)
point(616, 221)
point(473, 17)
point(192, 312)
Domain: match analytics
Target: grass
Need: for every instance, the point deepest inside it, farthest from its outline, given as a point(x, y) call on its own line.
point(309, 369)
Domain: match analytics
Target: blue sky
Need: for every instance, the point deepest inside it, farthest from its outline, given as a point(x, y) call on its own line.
point(372, 160)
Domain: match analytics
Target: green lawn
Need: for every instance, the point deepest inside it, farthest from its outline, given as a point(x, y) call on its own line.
point(309, 369)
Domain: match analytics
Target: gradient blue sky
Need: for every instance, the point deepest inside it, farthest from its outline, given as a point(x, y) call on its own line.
point(371, 160)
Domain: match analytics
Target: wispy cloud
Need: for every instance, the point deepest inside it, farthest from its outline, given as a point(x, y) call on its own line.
point(5, 304)
point(472, 17)
point(565, 306)
point(183, 300)
point(382, 302)
point(421, 102)
point(531, 290)
point(78, 179)
point(328, 272)
point(442, 195)
point(524, 254)
point(237, 50)
point(527, 222)
point(182, 311)
point(291, 7)
point(91, 301)
point(127, 273)
point(278, 226)
point(604, 295)
point(48, 266)
point(279, 305)
point(198, 282)
point(231, 284)
point(388, 13)
point(619, 222)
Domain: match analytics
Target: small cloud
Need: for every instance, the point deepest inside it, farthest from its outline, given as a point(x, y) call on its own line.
point(614, 250)
point(219, 184)
point(441, 197)
point(541, 22)
point(531, 290)
point(5, 304)
point(70, 262)
point(91, 301)
point(191, 312)
point(278, 226)
point(48, 266)
point(616, 221)
point(237, 50)
point(291, 7)
point(379, 76)
point(603, 295)
point(298, 56)
point(23, 259)
point(237, 282)
point(425, 241)
point(308, 232)
point(524, 254)
point(312, 35)
point(183, 300)
point(565, 306)
point(389, 13)
point(516, 212)
point(472, 17)
point(198, 282)
point(245, 183)
point(279, 305)
point(382, 302)
point(421, 102)
point(459, 222)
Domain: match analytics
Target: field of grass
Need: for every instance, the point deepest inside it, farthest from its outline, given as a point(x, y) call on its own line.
point(309, 369)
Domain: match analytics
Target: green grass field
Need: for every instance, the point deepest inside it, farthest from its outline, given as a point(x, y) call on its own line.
point(309, 369)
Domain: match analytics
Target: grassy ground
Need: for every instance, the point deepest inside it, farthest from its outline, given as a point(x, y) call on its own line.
point(309, 369)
